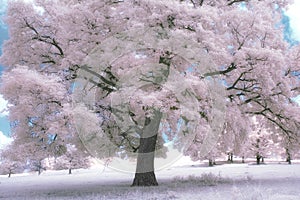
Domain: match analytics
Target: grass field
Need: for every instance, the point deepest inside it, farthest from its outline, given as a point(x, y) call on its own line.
point(185, 181)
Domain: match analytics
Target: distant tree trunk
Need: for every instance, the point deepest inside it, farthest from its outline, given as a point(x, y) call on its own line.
point(258, 158)
point(230, 157)
point(144, 175)
point(39, 167)
point(70, 168)
point(257, 145)
point(210, 162)
point(288, 159)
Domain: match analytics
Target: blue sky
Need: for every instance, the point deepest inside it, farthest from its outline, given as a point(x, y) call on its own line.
point(4, 124)
point(294, 21)
point(294, 13)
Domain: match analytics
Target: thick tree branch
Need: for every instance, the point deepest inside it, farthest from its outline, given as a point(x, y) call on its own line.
point(221, 72)
point(102, 78)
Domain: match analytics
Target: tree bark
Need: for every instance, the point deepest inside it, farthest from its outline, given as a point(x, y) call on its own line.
point(40, 167)
point(288, 159)
point(70, 168)
point(258, 159)
point(39, 170)
point(144, 175)
point(210, 163)
point(230, 157)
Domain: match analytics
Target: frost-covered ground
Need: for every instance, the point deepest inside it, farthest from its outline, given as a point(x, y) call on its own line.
point(186, 180)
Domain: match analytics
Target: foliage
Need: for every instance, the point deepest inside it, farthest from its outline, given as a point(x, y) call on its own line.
point(124, 61)
point(73, 159)
point(206, 179)
point(11, 162)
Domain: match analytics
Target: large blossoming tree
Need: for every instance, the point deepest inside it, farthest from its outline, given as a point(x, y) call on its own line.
point(139, 68)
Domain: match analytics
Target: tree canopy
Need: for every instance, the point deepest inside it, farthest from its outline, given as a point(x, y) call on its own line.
point(115, 73)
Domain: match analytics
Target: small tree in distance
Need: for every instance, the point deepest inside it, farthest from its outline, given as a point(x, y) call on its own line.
point(11, 162)
point(72, 159)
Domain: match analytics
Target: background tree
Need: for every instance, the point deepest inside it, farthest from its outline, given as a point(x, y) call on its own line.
point(258, 66)
point(287, 148)
point(11, 161)
point(72, 159)
point(259, 146)
point(36, 114)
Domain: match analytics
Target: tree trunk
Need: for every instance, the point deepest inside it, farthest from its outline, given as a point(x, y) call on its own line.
point(145, 179)
point(230, 157)
point(288, 159)
point(70, 168)
point(40, 167)
point(258, 159)
point(210, 163)
point(144, 175)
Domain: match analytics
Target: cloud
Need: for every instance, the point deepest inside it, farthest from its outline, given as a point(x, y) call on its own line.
point(294, 14)
point(3, 6)
point(39, 9)
point(4, 140)
point(3, 107)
